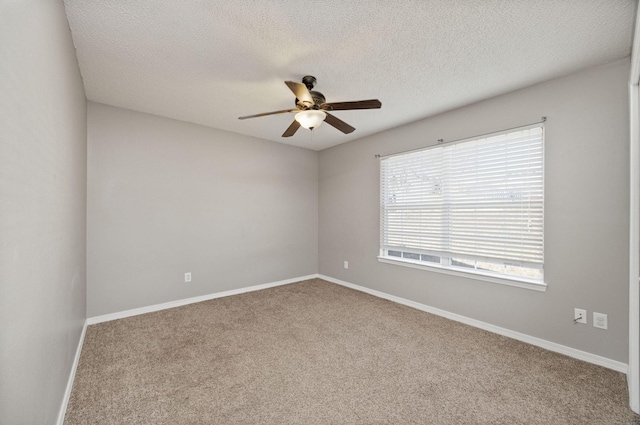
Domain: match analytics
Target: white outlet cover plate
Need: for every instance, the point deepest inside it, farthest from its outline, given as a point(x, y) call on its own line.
point(600, 320)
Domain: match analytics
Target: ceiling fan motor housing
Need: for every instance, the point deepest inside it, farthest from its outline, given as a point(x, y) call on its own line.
point(318, 100)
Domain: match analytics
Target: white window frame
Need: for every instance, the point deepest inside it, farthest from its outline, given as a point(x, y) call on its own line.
point(445, 264)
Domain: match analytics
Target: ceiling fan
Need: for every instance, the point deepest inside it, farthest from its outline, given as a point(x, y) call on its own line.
point(311, 108)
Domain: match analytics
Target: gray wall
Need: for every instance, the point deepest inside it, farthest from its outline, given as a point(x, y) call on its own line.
point(168, 197)
point(586, 212)
point(42, 210)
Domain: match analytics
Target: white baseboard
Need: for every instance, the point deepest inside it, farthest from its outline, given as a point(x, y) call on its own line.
point(185, 301)
point(551, 346)
point(72, 375)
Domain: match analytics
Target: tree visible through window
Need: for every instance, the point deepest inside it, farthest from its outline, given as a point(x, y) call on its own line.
point(475, 205)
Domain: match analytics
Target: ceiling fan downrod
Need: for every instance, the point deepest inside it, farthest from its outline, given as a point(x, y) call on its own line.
point(309, 81)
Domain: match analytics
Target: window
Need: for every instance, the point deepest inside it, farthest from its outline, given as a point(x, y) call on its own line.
point(473, 206)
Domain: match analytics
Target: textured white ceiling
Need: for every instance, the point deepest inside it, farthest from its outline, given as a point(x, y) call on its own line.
point(209, 62)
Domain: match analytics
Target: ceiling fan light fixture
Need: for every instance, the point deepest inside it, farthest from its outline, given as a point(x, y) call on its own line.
point(311, 118)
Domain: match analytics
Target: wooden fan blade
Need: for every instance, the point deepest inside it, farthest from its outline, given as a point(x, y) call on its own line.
point(295, 125)
point(301, 92)
point(339, 124)
point(267, 113)
point(358, 104)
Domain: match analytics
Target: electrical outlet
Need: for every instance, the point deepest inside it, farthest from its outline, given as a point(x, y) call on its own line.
point(346, 264)
point(579, 316)
point(187, 277)
point(600, 320)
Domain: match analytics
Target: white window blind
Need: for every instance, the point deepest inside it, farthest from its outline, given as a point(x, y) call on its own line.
point(472, 203)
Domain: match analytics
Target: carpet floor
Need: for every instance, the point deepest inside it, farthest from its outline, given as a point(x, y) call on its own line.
point(317, 353)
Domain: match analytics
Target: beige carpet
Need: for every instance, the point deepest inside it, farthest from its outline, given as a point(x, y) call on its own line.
point(318, 353)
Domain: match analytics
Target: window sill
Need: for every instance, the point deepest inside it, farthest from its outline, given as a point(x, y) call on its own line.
point(517, 282)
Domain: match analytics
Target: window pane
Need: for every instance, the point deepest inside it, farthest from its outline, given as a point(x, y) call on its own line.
point(430, 258)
